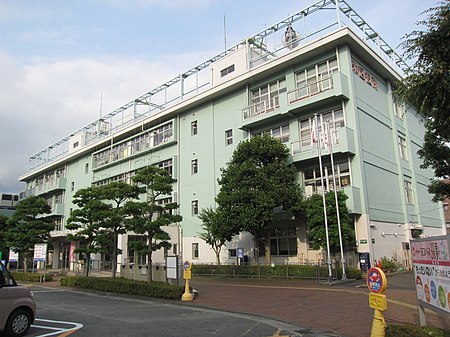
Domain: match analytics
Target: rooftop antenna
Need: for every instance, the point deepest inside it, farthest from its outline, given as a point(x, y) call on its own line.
point(225, 31)
point(101, 103)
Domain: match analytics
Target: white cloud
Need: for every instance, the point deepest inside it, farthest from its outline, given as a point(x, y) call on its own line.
point(42, 102)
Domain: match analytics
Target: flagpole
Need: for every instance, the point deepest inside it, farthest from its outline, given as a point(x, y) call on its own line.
point(330, 143)
point(323, 199)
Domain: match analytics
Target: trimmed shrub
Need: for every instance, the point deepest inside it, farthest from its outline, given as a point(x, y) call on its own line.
point(266, 271)
point(415, 331)
point(125, 286)
point(31, 277)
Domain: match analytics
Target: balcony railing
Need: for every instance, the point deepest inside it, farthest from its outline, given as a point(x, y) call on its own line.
point(51, 185)
point(261, 108)
point(304, 145)
point(132, 148)
point(310, 89)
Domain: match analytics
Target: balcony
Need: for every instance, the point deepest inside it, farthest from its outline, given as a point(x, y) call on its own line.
point(327, 89)
point(51, 186)
point(264, 111)
point(343, 142)
point(57, 209)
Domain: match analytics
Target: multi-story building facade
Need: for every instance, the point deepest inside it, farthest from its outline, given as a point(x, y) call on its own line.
point(191, 125)
point(8, 203)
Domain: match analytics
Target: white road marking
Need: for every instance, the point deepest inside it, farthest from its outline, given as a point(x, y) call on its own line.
point(73, 328)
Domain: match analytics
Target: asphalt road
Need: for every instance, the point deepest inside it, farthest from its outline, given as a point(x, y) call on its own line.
point(62, 312)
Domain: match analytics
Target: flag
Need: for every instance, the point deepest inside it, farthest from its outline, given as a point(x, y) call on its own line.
point(313, 133)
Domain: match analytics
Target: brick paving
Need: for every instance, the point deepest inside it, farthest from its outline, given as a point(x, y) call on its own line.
point(340, 308)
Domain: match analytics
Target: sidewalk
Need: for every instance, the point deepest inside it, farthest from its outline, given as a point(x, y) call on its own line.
point(342, 308)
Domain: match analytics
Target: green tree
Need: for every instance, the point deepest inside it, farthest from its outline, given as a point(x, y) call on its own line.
point(28, 226)
point(257, 180)
point(3, 227)
point(215, 232)
point(117, 193)
point(427, 88)
point(88, 222)
point(316, 221)
point(148, 217)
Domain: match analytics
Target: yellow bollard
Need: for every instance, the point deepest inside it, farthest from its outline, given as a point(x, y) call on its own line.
point(378, 325)
point(187, 296)
point(377, 284)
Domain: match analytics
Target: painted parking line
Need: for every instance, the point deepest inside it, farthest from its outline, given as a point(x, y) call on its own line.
point(61, 332)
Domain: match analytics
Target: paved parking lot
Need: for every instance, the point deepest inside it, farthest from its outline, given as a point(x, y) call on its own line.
point(63, 312)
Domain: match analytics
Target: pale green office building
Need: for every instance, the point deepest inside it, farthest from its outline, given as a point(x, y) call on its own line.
point(274, 82)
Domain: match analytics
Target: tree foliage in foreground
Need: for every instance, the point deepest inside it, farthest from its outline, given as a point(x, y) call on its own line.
point(256, 180)
point(29, 225)
point(148, 217)
point(214, 231)
point(427, 89)
point(117, 193)
point(316, 221)
point(88, 222)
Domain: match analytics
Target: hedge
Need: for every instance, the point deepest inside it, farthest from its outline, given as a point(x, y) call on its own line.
point(125, 286)
point(276, 271)
point(31, 277)
point(415, 331)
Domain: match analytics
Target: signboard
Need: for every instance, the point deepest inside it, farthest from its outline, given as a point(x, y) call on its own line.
point(40, 252)
point(13, 256)
point(187, 270)
point(171, 267)
point(376, 280)
point(431, 259)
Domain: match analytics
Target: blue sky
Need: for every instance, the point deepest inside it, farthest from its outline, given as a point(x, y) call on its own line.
point(57, 57)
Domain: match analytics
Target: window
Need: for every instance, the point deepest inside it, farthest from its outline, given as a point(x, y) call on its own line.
point(315, 79)
point(58, 224)
point(194, 128)
point(163, 204)
point(283, 241)
point(59, 198)
point(86, 168)
point(194, 207)
point(408, 192)
point(335, 120)
point(167, 165)
point(312, 178)
point(265, 98)
point(232, 253)
point(72, 186)
point(76, 144)
point(402, 148)
point(194, 166)
point(195, 252)
point(175, 249)
point(227, 70)
point(229, 137)
point(280, 132)
point(399, 108)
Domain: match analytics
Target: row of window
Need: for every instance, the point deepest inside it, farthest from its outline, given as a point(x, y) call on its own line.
point(135, 145)
point(127, 176)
